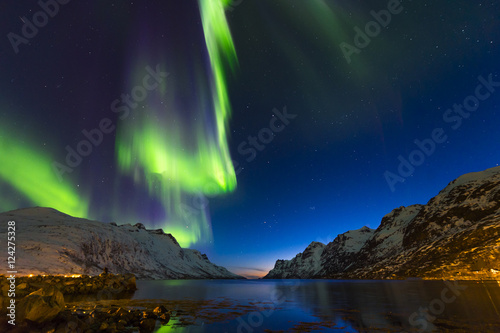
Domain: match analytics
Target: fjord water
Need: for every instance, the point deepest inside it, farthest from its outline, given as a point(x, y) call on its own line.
point(353, 306)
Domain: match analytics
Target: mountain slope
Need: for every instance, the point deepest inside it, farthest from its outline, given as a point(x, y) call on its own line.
point(455, 235)
point(303, 266)
point(50, 242)
point(343, 251)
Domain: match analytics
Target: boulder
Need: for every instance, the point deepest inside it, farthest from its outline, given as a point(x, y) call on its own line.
point(104, 326)
point(129, 282)
point(42, 305)
point(162, 313)
point(159, 310)
point(147, 325)
point(148, 314)
point(164, 318)
point(22, 286)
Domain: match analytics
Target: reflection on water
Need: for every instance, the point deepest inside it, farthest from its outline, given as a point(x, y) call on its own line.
point(340, 306)
point(399, 304)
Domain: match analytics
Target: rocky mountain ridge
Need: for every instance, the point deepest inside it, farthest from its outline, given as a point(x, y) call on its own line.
point(455, 235)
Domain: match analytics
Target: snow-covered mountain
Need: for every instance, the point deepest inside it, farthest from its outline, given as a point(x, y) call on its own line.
point(455, 235)
point(304, 265)
point(50, 242)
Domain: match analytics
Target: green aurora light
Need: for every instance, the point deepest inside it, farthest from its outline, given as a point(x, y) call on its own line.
point(178, 150)
point(29, 172)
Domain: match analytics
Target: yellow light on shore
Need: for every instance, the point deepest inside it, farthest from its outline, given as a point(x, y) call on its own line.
point(65, 275)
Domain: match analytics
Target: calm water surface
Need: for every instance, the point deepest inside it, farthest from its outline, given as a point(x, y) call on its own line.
point(341, 306)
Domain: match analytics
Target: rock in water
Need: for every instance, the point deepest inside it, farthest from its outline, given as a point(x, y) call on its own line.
point(147, 325)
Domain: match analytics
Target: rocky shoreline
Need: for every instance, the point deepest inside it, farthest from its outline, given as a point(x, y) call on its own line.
point(41, 305)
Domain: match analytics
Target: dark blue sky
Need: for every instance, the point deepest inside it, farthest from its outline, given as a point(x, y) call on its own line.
point(323, 173)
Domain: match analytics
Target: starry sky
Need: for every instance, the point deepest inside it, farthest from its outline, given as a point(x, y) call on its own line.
point(250, 128)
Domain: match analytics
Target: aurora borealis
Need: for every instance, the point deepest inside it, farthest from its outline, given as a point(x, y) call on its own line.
point(182, 85)
point(177, 146)
point(29, 172)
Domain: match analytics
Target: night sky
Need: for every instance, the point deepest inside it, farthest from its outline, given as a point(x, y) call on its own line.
point(249, 135)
